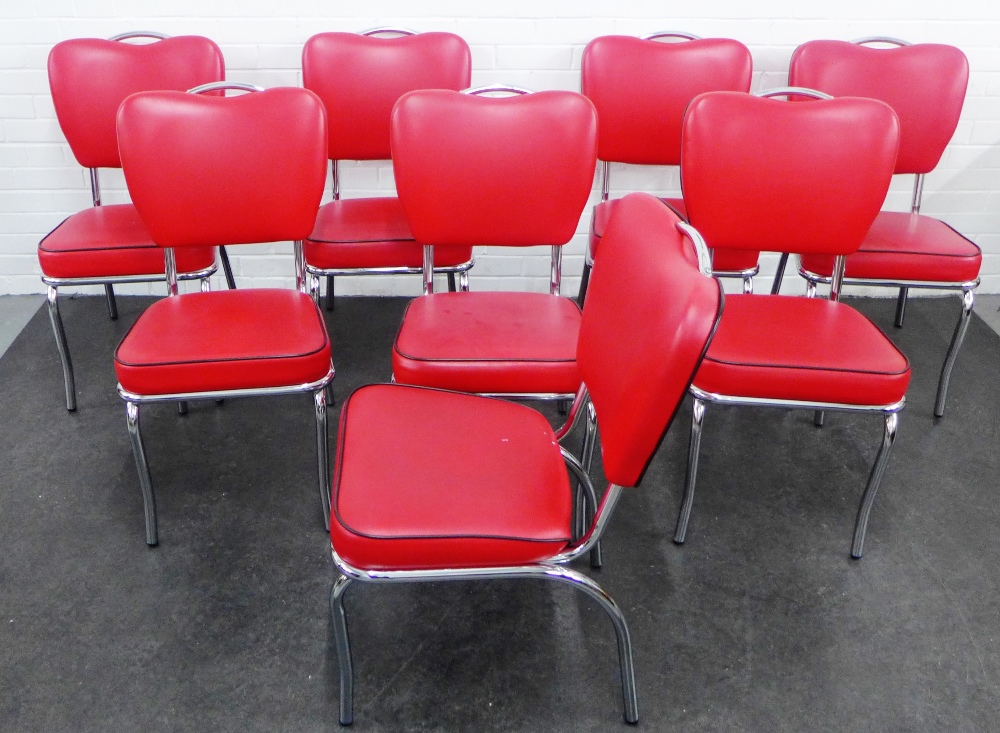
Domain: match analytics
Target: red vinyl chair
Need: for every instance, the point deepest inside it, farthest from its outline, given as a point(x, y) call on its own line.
point(503, 507)
point(208, 170)
point(640, 87)
point(463, 162)
point(105, 245)
point(925, 84)
point(359, 77)
point(762, 174)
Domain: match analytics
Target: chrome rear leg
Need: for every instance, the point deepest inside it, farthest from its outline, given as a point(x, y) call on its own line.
point(901, 306)
point(109, 294)
point(956, 342)
point(323, 453)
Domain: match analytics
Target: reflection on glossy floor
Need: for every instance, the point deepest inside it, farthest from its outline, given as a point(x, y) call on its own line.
point(760, 622)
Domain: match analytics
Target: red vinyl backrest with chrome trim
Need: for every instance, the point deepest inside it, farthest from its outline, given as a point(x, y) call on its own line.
point(641, 88)
point(924, 83)
point(207, 170)
point(359, 78)
point(649, 315)
point(483, 170)
point(90, 77)
point(767, 174)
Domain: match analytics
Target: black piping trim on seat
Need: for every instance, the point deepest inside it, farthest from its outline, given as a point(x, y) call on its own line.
point(341, 442)
point(809, 368)
point(150, 245)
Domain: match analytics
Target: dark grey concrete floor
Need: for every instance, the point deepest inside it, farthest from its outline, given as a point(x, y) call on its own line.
point(760, 622)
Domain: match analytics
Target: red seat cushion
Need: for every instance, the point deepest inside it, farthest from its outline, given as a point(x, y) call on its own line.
point(430, 479)
point(902, 246)
point(230, 339)
point(110, 241)
point(725, 260)
point(371, 232)
point(489, 342)
point(808, 349)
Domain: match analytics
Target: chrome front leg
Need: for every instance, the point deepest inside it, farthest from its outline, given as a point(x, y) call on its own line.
point(339, 620)
point(874, 479)
point(583, 583)
point(901, 307)
point(323, 453)
point(109, 293)
point(145, 482)
point(694, 446)
point(968, 298)
point(63, 347)
point(587, 456)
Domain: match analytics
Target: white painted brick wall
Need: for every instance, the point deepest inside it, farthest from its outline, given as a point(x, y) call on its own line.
point(533, 43)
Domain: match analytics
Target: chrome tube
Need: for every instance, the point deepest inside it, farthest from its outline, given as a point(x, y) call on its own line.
point(881, 39)
point(335, 176)
point(587, 460)
point(300, 266)
point(901, 306)
point(95, 186)
point(323, 453)
point(463, 281)
point(343, 643)
point(158, 277)
point(874, 480)
point(170, 268)
point(918, 193)
point(574, 412)
point(227, 393)
point(215, 86)
point(139, 34)
point(779, 273)
point(206, 285)
point(428, 269)
point(792, 91)
point(837, 280)
point(605, 509)
point(694, 446)
point(701, 394)
point(542, 571)
point(700, 247)
point(605, 183)
point(585, 486)
point(388, 29)
point(555, 270)
point(968, 298)
point(63, 347)
point(748, 284)
point(145, 481)
point(671, 34)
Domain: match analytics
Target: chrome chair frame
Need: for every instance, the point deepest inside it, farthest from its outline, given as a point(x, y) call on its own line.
point(315, 273)
point(967, 289)
point(746, 276)
point(320, 389)
point(551, 570)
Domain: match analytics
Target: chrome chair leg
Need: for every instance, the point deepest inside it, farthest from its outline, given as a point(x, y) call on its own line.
point(779, 274)
point(901, 306)
point(583, 583)
point(312, 284)
point(956, 342)
point(463, 282)
point(581, 295)
point(63, 347)
point(748, 285)
point(451, 282)
point(810, 289)
point(587, 459)
point(109, 293)
point(227, 268)
point(818, 418)
point(697, 423)
point(206, 285)
point(145, 481)
point(339, 620)
point(323, 453)
point(329, 293)
point(874, 480)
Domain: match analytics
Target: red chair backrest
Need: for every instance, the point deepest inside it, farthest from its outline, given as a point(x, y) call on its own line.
point(89, 78)
point(207, 170)
point(766, 174)
point(647, 322)
point(641, 88)
point(925, 84)
point(359, 78)
point(494, 170)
